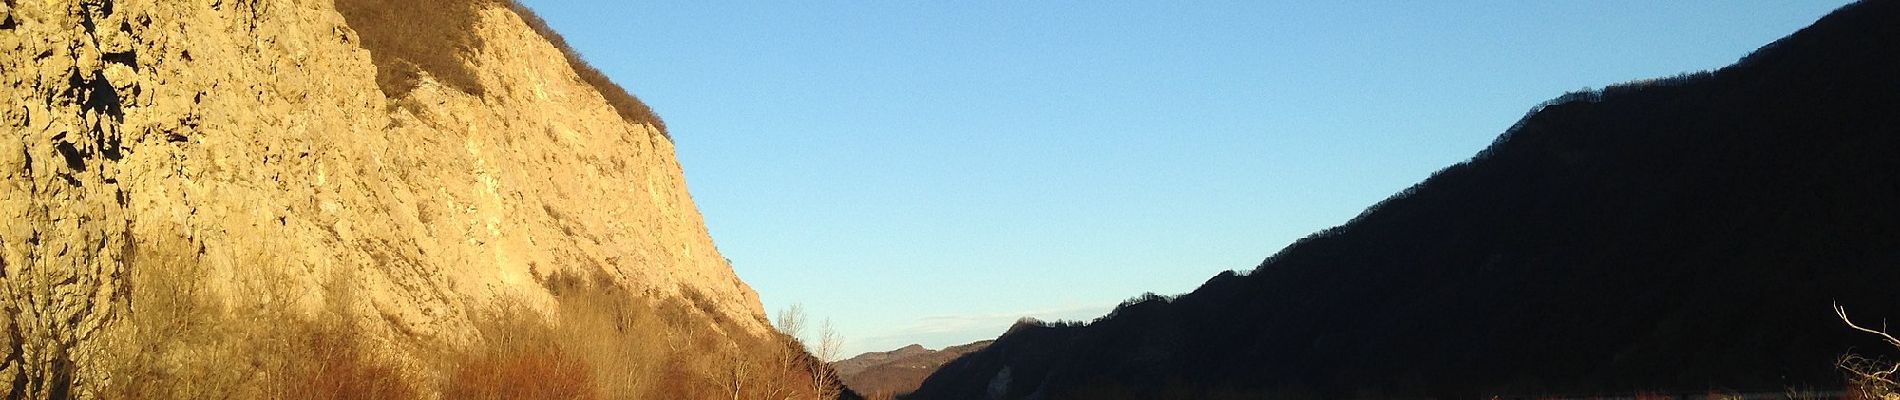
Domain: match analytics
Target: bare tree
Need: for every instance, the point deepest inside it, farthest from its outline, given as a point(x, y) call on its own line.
point(791, 320)
point(1872, 378)
point(803, 359)
point(791, 358)
point(740, 370)
point(824, 381)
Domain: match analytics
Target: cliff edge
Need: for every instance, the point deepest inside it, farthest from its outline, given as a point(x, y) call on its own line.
point(182, 179)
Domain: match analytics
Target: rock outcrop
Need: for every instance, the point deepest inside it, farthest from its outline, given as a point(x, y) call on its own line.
point(241, 153)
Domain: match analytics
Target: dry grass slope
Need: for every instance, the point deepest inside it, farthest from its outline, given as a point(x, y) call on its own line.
point(178, 341)
point(632, 347)
point(523, 359)
point(408, 39)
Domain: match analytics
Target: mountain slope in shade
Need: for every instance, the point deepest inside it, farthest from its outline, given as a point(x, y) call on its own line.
point(1687, 233)
point(889, 373)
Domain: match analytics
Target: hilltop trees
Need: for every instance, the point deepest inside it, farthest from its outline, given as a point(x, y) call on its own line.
point(1668, 235)
point(811, 362)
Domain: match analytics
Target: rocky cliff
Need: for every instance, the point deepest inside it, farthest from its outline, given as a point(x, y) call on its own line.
point(246, 155)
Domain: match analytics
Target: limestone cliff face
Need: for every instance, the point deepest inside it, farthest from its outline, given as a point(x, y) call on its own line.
point(246, 143)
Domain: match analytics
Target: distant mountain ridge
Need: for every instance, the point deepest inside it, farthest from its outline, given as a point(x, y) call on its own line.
point(858, 364)
point(889, 373)
point(1680, 234)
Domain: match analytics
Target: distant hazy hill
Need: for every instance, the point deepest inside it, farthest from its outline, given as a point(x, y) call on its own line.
point(881, 374)
point(1679, 234)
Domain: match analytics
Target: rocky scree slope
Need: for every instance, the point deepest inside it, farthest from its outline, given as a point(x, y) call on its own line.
point(241, 158)
point(1679, 234)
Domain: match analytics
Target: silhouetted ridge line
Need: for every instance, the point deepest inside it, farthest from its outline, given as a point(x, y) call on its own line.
point(1687, 233)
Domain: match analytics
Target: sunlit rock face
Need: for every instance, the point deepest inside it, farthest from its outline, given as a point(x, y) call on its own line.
point(237, 161)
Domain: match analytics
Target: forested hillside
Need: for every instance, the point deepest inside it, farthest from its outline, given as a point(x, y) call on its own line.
point(1688, 233)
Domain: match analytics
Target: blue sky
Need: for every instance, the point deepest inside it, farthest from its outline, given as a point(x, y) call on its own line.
point(930, 171)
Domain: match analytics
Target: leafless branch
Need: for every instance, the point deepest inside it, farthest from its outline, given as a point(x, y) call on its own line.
point(1842, 312)
point(1872, 378)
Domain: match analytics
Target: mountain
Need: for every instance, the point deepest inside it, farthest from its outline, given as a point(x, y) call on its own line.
point(1689, 233)
point(889, 373)
point(854, 365)
point(358, 198)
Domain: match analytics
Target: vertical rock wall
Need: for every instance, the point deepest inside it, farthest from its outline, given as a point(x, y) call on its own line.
point(243, 147)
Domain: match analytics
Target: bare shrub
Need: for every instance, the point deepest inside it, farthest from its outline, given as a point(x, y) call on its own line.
point(340, 367)
point(176, 341)
point(180, 341)
point(813, 363)
point(634, 346)
point(1869, 378)
point(523, 358)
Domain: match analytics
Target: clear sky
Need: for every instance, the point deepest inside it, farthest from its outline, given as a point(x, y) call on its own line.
point(929, 171)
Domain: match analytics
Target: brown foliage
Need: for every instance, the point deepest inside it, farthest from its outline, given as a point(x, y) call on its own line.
point(407, 39)
point(601, 342)
point(627, 345)
point(340, 367)
point(523, 359)
point(176, 342)
point(630, 108)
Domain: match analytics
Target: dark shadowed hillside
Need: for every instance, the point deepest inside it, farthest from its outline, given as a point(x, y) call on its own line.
point(1678, 234)
point(881, 375)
